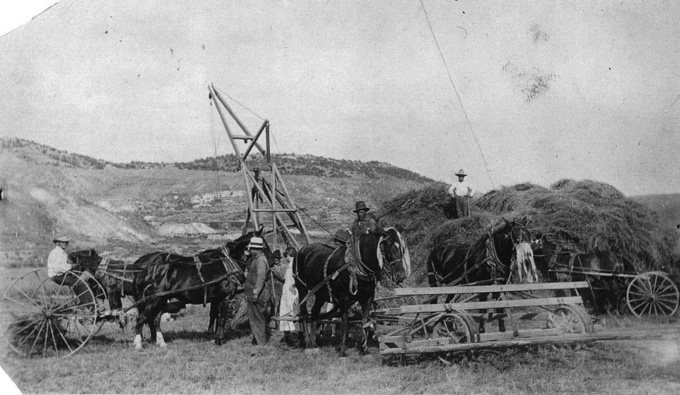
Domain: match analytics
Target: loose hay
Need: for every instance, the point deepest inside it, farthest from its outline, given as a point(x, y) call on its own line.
point(582, 216)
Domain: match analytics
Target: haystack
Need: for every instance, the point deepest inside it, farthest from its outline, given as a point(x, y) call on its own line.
point(581, 216)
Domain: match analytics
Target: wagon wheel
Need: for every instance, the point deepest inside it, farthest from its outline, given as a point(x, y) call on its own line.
point(652, 293)
point(570, 319)
point(48, 319)
point(455, 326)
point(458, 328)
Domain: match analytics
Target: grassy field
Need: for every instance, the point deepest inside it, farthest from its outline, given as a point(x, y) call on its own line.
point(191, 363)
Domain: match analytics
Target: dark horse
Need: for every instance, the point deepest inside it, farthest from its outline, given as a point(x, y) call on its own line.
point(598, 268)
point(321, 270)
point(214, 276)
point(117, 278)
point(89, 261)
point(490, 260)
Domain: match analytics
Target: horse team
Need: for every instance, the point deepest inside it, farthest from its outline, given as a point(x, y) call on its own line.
point(161, 282)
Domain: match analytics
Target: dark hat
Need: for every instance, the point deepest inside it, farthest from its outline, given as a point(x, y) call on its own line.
point(360, 206)
point(461, 173)
point(61, 239)
point(277, 254)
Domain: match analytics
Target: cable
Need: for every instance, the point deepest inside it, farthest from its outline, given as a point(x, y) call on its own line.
point(217, 167)
point(239, 103)
point(460, 101)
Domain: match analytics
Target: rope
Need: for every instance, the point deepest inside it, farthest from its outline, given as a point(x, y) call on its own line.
point(455, 90)
point(239, 103)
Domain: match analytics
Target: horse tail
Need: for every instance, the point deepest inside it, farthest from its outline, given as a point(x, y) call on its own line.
point(524, 255)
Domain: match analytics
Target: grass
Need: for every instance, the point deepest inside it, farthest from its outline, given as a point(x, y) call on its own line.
point(193, 364)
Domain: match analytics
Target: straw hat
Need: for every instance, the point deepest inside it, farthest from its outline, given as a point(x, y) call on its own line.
point(461, 173)
point(256, 242)
point(61, 239)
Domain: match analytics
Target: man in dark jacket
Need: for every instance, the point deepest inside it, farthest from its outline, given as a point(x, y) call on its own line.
point(257, 292)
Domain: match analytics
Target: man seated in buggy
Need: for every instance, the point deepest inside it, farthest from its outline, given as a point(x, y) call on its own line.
point(60, 271)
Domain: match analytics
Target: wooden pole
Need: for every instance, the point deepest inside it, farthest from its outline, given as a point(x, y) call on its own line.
point(233, 115)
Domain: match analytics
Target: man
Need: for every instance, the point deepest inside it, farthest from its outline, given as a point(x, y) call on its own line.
point(461, 192)
point(257, 292)
point(59, 271)
point(363, 224)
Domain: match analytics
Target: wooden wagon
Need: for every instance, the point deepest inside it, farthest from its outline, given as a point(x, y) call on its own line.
point(533, 314)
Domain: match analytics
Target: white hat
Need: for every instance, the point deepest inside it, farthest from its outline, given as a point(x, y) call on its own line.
point(256, 242)
point(61, 239)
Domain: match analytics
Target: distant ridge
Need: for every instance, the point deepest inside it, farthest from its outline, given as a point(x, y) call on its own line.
point(288, 164)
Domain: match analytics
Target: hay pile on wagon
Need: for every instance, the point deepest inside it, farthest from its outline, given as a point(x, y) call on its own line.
point(581, 216)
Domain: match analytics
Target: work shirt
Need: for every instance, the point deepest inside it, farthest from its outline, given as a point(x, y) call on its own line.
point(367, 225)
point(461, 189)
point(257, 275)
point(57, 262)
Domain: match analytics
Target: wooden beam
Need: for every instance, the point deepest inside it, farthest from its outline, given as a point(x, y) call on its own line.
point(561, 339)
point(494, 304)
point(478, 289)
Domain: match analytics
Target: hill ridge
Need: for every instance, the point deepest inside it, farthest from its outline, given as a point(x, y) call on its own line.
point(288, 163)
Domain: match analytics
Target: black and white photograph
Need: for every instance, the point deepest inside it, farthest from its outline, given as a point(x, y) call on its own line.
point(339, 197)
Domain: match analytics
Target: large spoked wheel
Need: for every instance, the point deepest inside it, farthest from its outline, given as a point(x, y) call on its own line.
point(49, 319)
point(570, 319)
point(652, 293)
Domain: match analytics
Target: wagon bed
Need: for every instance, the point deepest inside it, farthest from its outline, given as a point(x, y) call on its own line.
point(534, 317)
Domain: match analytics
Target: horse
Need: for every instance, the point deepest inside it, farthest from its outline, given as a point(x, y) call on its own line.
point(214, 276)
point(561, 265)
point(322, 270)
point(506, 248)
point(90, 261)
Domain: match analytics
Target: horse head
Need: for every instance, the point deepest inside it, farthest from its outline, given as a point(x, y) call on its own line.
point(394, 255)
point(85, 260)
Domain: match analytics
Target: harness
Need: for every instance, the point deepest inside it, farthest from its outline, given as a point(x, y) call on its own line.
point(490, 258)
point(366, 274)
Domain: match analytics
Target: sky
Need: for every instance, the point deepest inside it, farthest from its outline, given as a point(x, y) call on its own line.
point(514, 91)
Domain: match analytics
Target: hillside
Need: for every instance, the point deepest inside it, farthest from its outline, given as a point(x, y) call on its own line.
point(127, 207)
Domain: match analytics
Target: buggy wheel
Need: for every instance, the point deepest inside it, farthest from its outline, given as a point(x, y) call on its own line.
point(652, 293)
point(48, 319)
point(570, 319)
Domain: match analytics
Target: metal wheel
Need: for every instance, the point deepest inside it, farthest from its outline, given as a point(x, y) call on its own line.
point(652, 293)
point(48, 319)
point(570, 319)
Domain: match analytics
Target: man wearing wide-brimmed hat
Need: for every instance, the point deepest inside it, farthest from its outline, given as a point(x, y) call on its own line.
point(59, 270)
point(363, 224)
point(257, 292)
point(461, 192)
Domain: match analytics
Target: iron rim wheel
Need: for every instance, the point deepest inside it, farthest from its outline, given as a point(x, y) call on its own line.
point(47, 319)
point(454, 327)
point(652, 293)
point(569, 320)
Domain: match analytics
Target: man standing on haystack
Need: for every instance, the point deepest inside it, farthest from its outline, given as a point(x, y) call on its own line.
point(257, 292)
point(461, 192)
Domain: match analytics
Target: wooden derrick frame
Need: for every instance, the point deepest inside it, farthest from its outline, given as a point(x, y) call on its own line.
point(265, 195)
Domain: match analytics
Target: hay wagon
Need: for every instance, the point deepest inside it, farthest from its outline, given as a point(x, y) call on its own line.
point(534, 317)
point(648, 293)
